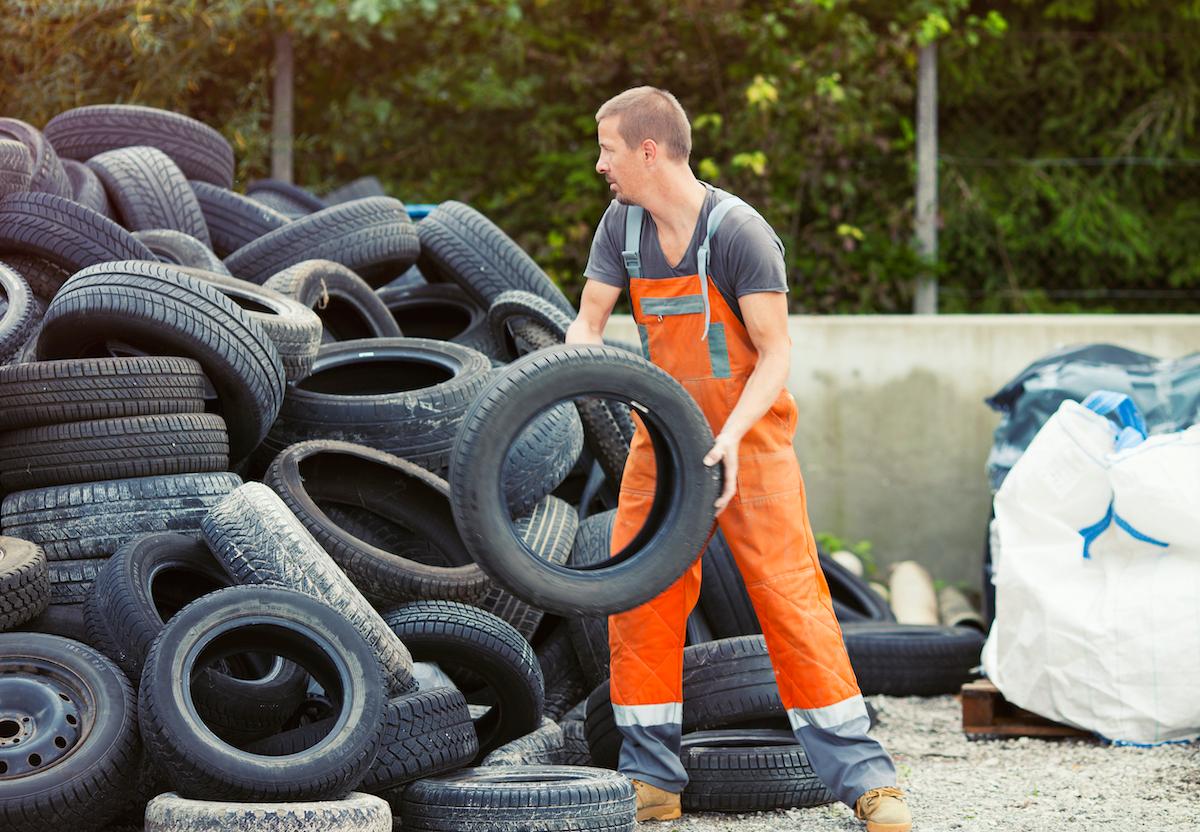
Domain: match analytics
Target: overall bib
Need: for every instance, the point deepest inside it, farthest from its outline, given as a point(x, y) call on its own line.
point(688, 329)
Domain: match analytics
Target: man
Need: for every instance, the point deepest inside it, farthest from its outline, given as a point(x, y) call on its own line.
point(708, 291)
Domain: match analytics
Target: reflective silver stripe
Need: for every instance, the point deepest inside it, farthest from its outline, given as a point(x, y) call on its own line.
point(668, 713)
point(644, 335)
point(831, 716)
point(718, 351)
point(683, 305)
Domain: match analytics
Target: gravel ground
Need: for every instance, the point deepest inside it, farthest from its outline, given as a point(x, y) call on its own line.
point(1012, 785)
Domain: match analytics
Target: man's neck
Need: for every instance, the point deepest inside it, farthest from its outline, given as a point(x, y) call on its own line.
point(676, 204)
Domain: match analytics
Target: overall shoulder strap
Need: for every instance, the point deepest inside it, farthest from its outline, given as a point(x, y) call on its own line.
point(633, 240)
point(715, 216)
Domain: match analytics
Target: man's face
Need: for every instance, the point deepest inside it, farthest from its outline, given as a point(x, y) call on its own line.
point(619, 164)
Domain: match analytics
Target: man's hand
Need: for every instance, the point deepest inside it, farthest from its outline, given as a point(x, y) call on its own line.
point(725, 450)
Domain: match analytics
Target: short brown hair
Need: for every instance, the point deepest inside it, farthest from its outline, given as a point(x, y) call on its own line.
point(651, 113)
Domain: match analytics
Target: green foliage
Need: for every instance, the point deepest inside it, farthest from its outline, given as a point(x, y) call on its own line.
point(863, 549)
point(803, 107)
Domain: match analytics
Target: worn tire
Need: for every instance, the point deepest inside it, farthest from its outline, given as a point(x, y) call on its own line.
point(95, 519)
point(911, 659)
point(148, 190)
point(46, 170)
point(44, 277)
point(64, 232)
point(354, 813)
point(284, 197)
point(688, 488)
point(462, 638)
point(310, 474)
point(460, 244)
point(372, 236)
point(347, 307)
point(71, 580)
point(16, 167)
point(111, 449)
point(565, 683)
point(301, 629)
point(522, 798)
point(292, 327)
point(589, 633)
point(405, 396)
point(179, 249)
point(89, 786)
point(424, 733)
point(19, 319)
point(158, 308)
point(359, 188)
point(442, 312)
point(541, 747)
point(748, 770)
point(199, 150)
point(79, 390)
point(234, 220)
point(24, 582)
point(86, 187)
point(260, 541)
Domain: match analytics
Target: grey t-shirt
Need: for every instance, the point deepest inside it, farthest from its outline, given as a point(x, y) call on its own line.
point(746, 255)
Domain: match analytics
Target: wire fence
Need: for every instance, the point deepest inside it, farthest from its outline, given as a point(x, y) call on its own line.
point(1067, 186)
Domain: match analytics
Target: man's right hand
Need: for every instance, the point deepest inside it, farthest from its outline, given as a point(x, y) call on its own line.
point(595, 305)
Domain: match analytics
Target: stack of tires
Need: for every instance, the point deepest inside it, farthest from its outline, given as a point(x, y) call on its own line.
point(306, 512)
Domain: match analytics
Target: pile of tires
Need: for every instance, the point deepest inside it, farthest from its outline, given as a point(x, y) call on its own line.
point(305, 510)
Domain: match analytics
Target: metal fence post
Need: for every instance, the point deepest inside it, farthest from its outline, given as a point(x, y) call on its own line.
point(926, 300)
point(281, 109)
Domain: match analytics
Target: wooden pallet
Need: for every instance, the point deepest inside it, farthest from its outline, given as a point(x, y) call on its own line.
point(986, 713)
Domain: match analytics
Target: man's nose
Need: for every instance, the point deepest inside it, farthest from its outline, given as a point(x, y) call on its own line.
point(601, 166)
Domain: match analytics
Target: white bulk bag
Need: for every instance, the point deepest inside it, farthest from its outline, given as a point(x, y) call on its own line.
point(1098, 582)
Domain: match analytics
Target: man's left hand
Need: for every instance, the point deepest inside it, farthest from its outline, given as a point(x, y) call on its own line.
point(725, 450)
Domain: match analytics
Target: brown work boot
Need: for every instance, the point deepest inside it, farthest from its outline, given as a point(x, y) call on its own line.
point(884, 810)
point(654, 803)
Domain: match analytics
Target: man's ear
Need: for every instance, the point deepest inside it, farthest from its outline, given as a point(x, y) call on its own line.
point(649, 150)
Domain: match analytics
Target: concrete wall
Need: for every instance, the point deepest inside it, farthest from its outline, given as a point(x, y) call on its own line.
point(893, 432)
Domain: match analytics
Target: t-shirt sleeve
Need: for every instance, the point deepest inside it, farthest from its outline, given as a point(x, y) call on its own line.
point(753, 255)
point(605, 263)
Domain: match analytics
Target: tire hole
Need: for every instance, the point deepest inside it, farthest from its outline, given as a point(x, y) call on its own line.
point(35, 760)
point(64, 697)
point(9, 728)
point(71, 719)
point(61, 742)
point(3, 768)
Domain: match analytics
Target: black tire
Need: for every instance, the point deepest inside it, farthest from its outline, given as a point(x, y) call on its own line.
point(485, 657)
point(442, 312)
point(95, 519)
point(16, 167)
point(292, 327)
point(24, 582)
point(910, 659)
point(234, 220)
point(541, 747)
point(180, 249)
point(462, 245)
point(199, 151)
point(298, 628)
point(148, 190)
point(260, 541)
point(285, 197)
point(110, 449)
point(372, 236)
point(86, 765)
point(725, 683)
point(541, 457)
point(64, 620)
point(354, 813)
point(512, 308)
point(589, 633)
point(405, 396)
point(86, 187)
point(47, 174)
point(71, 580)
point(347, 306)
point(310, 474)
point(522, 798)
point(575, 748)
point(53, 392)
point(19, 318)
point(44, 277)
point(749, 770)
point(565, 683)
point(359, 188)
point(160, 309)
point(549, 532)
point(64, 232)
point(424, 733)
point(682, 512)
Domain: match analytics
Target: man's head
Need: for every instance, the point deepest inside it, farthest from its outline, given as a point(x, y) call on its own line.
point(643, 133)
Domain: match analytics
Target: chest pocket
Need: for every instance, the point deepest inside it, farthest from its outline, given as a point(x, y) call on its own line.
point(672, 330)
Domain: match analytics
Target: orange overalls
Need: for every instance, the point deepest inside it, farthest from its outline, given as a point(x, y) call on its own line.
point(688, 329)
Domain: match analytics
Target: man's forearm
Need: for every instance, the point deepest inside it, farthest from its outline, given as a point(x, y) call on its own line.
point(761, 390)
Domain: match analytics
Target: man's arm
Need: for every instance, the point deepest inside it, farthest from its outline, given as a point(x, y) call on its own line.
point(766, 317)
point(595, 305)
